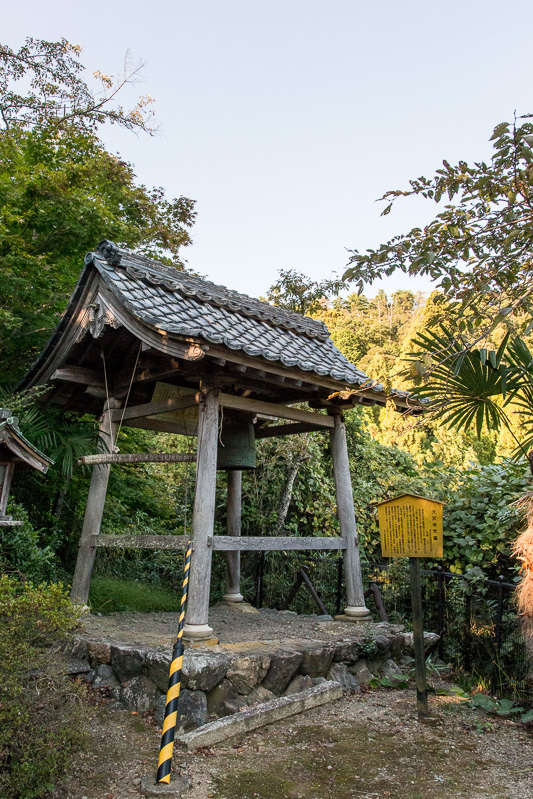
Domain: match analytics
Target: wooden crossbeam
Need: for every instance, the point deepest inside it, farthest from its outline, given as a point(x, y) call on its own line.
point(275, 410)
point(138, 457)
point(78, 374)
point(140, 541)
point(287, 429)
point(221, 543)
point(229, 543)
point(153, 408)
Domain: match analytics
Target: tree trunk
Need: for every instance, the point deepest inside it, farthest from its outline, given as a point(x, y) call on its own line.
point(286, 494)
point(60, 498)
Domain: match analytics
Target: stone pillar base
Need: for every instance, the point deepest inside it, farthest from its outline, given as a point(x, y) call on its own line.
point(197, 632)
point(357, 612)
point(233, 598)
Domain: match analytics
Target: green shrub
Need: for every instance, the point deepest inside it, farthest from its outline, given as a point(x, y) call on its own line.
point(21, 551)
point(480, 521)
point(40, 709)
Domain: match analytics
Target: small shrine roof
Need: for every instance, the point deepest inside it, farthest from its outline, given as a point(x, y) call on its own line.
point(17, 447)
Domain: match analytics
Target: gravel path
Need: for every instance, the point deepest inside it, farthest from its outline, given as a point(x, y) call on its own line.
point(362, 746)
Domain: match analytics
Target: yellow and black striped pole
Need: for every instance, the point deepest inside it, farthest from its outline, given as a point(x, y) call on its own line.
point(174, 682)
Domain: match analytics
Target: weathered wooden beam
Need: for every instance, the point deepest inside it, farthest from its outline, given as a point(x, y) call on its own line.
point(368, 397)
point(140, 541)
point(138, 457)
point(144, 375)
point(274, 410)
point(229, 543)
point(380, 607)
point(287, 429)
point(285, 605)
point(153, 408)
point(345, 509)
point(203, 520)
point(6, 475)
point(159, 425)
point(233, 557)
point(94, 511)
point(79, 374)
point(314, 593)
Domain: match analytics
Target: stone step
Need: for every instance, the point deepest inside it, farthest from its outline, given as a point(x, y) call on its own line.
point(260, 715)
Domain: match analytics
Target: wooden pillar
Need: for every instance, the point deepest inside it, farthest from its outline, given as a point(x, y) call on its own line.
point(196, 626)
point(94, 510)
point(233, 575)
point(6, 473)
point(343, 486)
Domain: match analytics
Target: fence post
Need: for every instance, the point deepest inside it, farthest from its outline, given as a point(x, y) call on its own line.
point(440, 610)
point(338, 605)
point(259, 588)
point(496, 670)
point(468, 622)
point(499, 616)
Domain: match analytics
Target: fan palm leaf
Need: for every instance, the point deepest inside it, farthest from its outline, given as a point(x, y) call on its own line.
point(468, 387)
point(64, 438)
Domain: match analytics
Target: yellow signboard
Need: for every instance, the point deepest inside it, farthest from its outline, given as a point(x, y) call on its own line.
point(410, 527)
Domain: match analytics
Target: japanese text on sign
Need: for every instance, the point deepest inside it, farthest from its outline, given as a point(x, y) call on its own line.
point(410, 527)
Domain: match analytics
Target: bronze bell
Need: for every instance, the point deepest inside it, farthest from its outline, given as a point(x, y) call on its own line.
point(236, 444)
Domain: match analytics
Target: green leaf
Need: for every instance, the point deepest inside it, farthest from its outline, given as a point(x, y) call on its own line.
point(507, 707)
point(499, 130)
point(483, 702)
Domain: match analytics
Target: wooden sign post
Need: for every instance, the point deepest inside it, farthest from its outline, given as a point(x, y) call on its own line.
point(411, 526)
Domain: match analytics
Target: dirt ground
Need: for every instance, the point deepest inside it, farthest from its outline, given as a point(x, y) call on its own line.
point(359, 747)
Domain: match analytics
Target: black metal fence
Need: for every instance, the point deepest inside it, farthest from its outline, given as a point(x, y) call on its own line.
point(475, 618)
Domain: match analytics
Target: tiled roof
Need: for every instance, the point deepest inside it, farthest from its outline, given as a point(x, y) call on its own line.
point(181, 303)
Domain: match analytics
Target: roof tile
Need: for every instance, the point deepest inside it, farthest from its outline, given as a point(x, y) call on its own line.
point(184, 304)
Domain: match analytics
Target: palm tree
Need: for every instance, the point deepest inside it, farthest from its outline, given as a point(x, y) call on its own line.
point(475, 387)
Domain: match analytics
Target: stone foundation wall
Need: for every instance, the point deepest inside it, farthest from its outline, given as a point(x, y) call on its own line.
point(217, 681)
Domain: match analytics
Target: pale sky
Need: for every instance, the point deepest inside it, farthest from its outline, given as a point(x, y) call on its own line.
point(285, 120)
